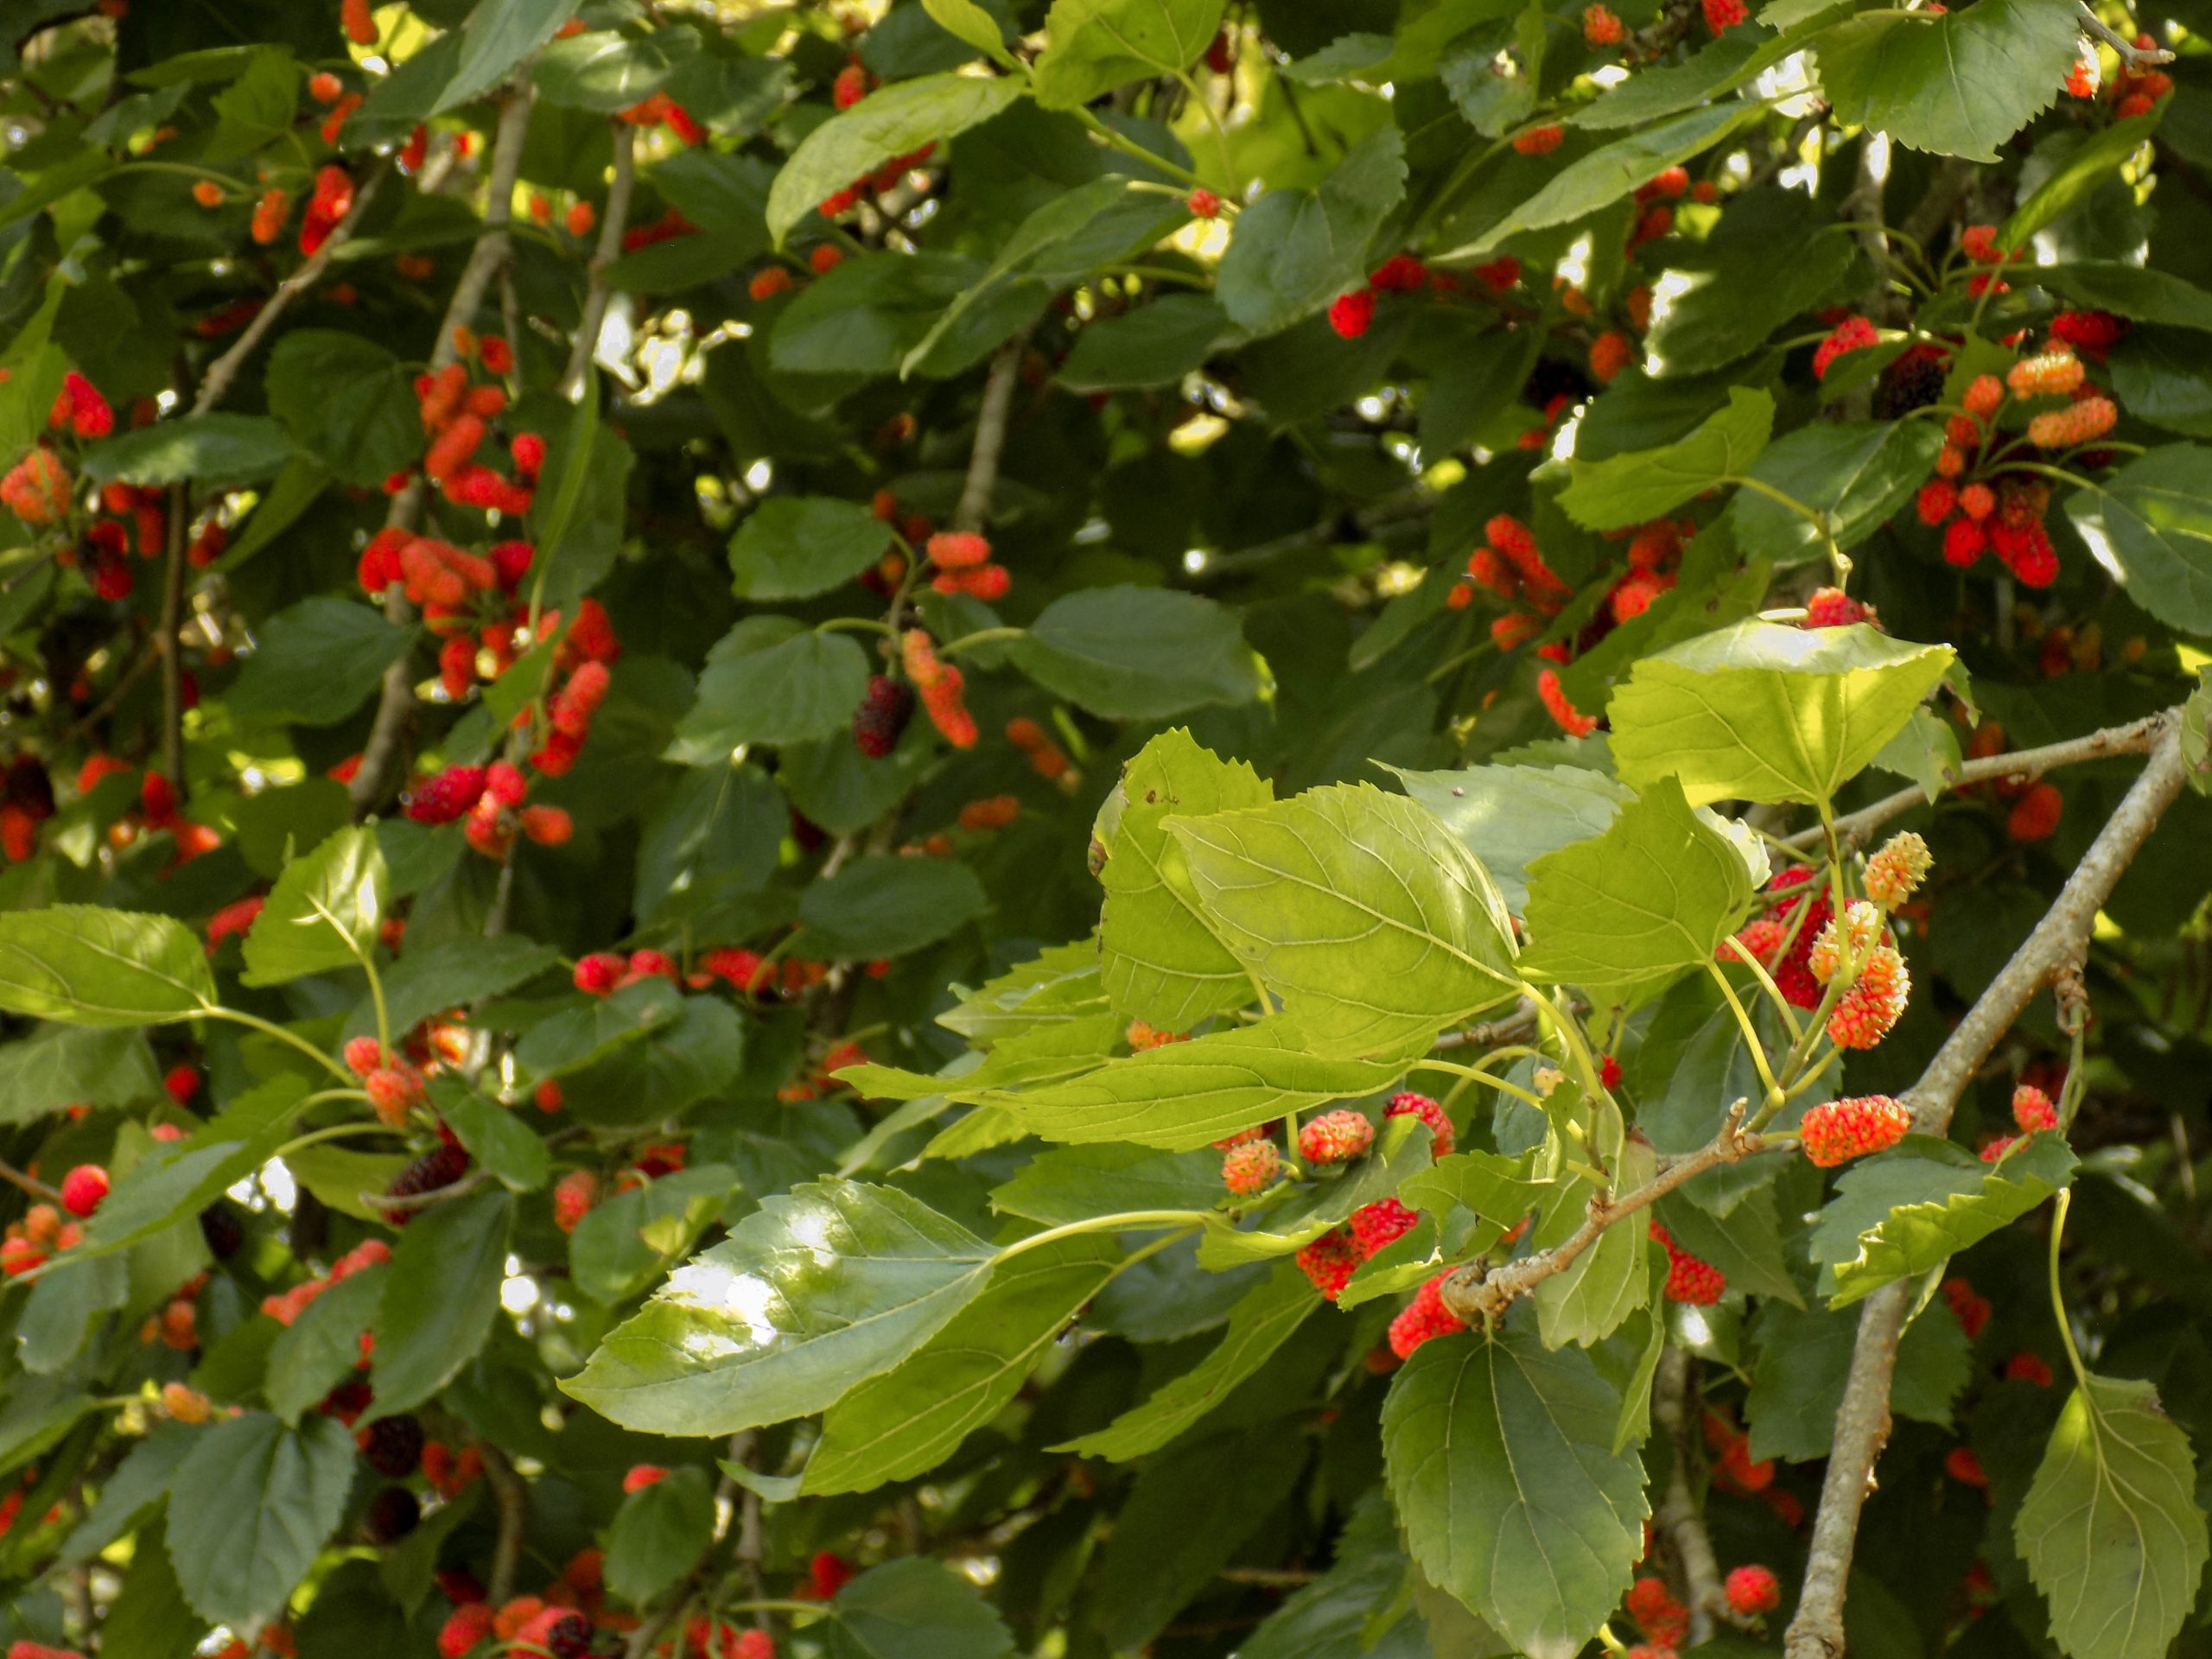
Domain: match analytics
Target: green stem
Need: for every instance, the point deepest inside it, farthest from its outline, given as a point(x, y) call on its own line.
point(1129, 147)
point(1128, 1221)
point(1220, 133)
point(2057, 1295)
point(1751, 1032)
point(267, 1029)
point(335, 1132)
point(1475, 1074)
point(853, 624)
point(981, 636)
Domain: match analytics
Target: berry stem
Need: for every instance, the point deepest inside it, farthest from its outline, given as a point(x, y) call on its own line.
point(1477, 1074)
point(1751, 1032)
point(2057, 1290)
point(269, 1029)
point(1128, 1221)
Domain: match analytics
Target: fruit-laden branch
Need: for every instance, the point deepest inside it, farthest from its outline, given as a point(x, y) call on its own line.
point(2055, 946)
point(225, 369)
point(395, 700)
point(1473, 1294)
point(2023, 766)
point(608, 250)
point(2131, 56)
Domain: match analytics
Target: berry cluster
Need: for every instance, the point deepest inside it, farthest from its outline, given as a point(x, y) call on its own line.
point(1838, 1131)
point(662, 111)
point(1046, 758)
point(940, 686)
point(963, 566)
point(1352, 313)
point(1782, 940)
point(40, 1233)
point(457, 417)
point(1690, 1280)
point(603, 972)
point(284, 1306)
point(490, 800)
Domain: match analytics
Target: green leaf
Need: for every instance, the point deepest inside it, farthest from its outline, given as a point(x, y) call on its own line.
point(1607, 1284)
point(890, 122)
point(1358, 909)
point(317, 662)
point(2093, 162)
point(204, 449)
point(1497, 1190)
point(1185, 1094)
point(323, 913)
point(319, 1350)
point(58, 1066)
point(1076, 1183)
point(1498, 1456)
point(818, 1290)
point(795, 547)
point(1136, 653)
point(250, 1510)
point(1158, 960)
point(603, 71)
point(659, 1531)
point(1051, 988)
point(347, 401)
point(966, 21)
point(1804, 1360)
point(716, 837)
point(770, 680)
point(441, 1299)
point(887, 905)
point(1763, 712)
point(2141, 295)
point(1631, 909)
point(1261, 1323)
point(1757, 269)
point(906, 1421)
point(495, 1137)
point(1907, 1212)
point(1510, 816)
point(432, 978)
point(1154, 344)
point(1478, 373)
point(1855, 474)
point(914, 1609)
point(90, 966)
point(2150, 524)
point(498, 35)
point(2111, 1530)
point(1046, 1054)
point(1619, 169)
point(1746, 1246)
point(1294, 250)
point(1094, 46)
point(1956, 83)
point(1623, 491)
point(625, 1243)
point(180, 1178)
point(66, 1303)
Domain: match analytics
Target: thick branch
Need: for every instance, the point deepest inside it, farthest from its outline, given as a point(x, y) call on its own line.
point(974, 509)
point(1679, 1516)
point(396, 699)
point(2131, 56)
point(225, 369)
point(2021, 767)
point(2057, 944)
point(512, 1499)
point(611, 224)
point(1473, 1294)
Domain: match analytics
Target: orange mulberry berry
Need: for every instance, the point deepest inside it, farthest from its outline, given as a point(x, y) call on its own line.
point(1610, 354)
point(1539, 141)
point(1571, 720)
point(207, 194)
point(1328, 1261)
point(769, 282)
point(1250, 1168)
point(1936, 499)
point(1601, 28)
point(2051, 373)
point(1895, 872)
point(1851, 335)
point(1441, 1137)
point(2035, 816)
point(1335, 1137)
point(360, 26)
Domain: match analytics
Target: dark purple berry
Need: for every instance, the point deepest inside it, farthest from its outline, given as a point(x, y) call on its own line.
point(883, 716)
point(393, 1514)
point(393, 1447)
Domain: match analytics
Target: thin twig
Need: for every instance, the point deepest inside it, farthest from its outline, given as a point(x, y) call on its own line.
point(613, 223)
point(1509, 1029)
point(31, 1185)
point(2022, 766)
point(149, 659)
point(974, 509)
point(1473, 1294)
point(512, 1499)
point(2131, 56)
point(396, 698)
point(171, 645)
point(2058, 942)
point(225, 369)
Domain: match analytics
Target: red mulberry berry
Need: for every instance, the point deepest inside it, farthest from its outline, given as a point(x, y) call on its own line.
point(1349, 314)
point(2028, 1367)
point(1424, 1317)
point(1570, 720)
point(1203, 204)
point(1840, 1130)
point(1937, 499)
point(1752, 1590)
point(574, 1195)
point(448, 796)
point(467, 1626)
point(1539, 141)
point(1656, 1613)
point(1335, 1138)
point(1377, 1225)
point(2032, 1109)
point(2035, 816)
point(1853, 333)
point(1610, 354)
point(1723, 15)
point(1964, 542)
point(83, 1189)
point(1601, 28)
point(1441, 1139)
point(1329, 1261)
point(1831, 607)
point(1250, 1168)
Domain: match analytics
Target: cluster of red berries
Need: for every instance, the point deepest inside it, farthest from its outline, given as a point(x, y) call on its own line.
point(1662, 1619)
point(2037, 805)
point(770, 280)
point(1141, 1037)
point(38, 489)
point(963, 566)
point(1351, 315)
point(38, 1234)
point(1838, 1131)
point(1424, 1319)
point(750, 974)
point(940, 687)
point(158, 811)
point(1601, 27)
point(559, 1622)
point(1690, 1280)
point(287, 1305)
point(2033, 1112)
point(2135, 92)
point(457, 418)
point(490, 798)
point(1330, 1261)
point(1782, 940)
point(234, 920)
point(329, 203)
point(662, 111)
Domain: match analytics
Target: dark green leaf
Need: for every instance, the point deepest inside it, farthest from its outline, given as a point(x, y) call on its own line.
point(250, 1510)
point(89, 966)
point(58, 1067)
point(1633, 489)
point(1093, 46)
point(1954, 83)
point(2151, 524)
point(887, 905)
point(771, 681)
point(497, 36)
point(795, 547)
point(441, 1299)
point(659, 1531)
point(204, 449)
point(895, 121)
point(1295, 250)
point(317, 662)
point(1137, 653)
point(914, 1609)
point(347, 401)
